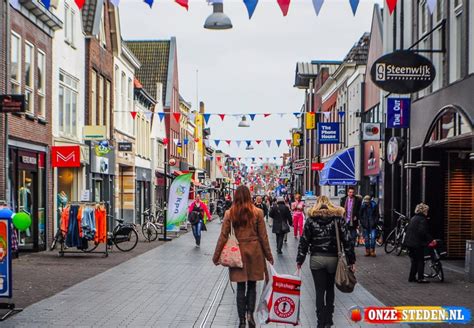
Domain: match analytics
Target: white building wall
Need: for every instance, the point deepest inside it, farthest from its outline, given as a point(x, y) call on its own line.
point(123, 96)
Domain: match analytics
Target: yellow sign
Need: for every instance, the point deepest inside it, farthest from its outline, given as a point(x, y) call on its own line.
point(310, 121)
point(296, 139)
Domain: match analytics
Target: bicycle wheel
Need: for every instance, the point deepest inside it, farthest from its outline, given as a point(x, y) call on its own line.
point(125, 239)
point(390, 242)
point(149, 231)
point(91, 246)
point(438, 267)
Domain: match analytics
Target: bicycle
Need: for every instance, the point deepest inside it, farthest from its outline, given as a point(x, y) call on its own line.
point(379, 234)
point(149, 229)
point(396, 237)
point(124, 236)
point(433, 262)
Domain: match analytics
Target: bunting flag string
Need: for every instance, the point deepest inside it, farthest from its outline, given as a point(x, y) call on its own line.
point(149, 2)
point(251, 5)
point(217, 142)
point(115, 2)
point(252, 116)
point(47, 3)
point(79, 3)
point(185, 141)
point(354, 5)
point(134, 114)
point(183, 3)
point(431, 5)
point(269, 143)
point(284, 6)
point(206, 118)
point(222, 116)
point(177, 117)
point(391, 5)
point(317, 4)
point(161, 116)
point(278, 142)
point(238, 142)
point(341, 114)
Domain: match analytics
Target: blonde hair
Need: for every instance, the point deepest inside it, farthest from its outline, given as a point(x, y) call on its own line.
point(422, 208)
point(324, 201)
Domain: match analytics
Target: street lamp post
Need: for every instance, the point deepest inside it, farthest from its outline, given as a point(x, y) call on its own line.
point(165, 203)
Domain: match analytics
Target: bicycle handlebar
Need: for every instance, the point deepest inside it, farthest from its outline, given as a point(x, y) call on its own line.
point(399, 214)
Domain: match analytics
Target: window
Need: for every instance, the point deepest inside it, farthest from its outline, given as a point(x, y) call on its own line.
point(69, 21)
point(107, 105)
point(41, 83)
point(130, 104)
point(100, 108)
point(102, 37)
point(29, 73)
point(438, 58)
point(15, 71)
point(450, 124)
point(93, 99)
point(68, 96)
point(471, 37)
point(455, 40)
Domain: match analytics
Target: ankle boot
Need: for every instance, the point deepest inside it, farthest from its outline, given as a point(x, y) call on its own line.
point(241, 308)
point(251, 320)
point(321, 318)
point(372, 253)
point(329, 310)
point(367, 252)
point(251, 300)
point(242, 323)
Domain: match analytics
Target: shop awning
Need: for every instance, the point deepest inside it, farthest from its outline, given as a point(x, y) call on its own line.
point(339, 170)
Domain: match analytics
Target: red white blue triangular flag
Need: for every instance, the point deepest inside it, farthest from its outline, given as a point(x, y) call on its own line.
point(391, 5)
point(431, 6)
point(183, 3)
point(251, 5)
point(206, 118)
point(317, 4)
point(278, 141)
point(149, 2)
point(354, 5)
point(284, 6)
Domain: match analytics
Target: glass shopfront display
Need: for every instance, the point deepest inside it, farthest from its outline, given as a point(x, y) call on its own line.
point(27, 175)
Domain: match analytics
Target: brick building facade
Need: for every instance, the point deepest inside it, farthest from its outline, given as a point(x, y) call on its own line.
point(3, 72)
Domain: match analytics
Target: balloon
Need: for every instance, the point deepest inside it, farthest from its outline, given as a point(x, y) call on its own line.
point(6, 213)
point(22, 221)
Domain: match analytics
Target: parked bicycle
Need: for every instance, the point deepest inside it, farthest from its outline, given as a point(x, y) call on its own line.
point(124, 236)
point(433, 266)
point(153, 223)
point(395, 239)
point(379, 234)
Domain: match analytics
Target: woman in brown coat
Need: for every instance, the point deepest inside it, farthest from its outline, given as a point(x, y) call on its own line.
point(251, 232)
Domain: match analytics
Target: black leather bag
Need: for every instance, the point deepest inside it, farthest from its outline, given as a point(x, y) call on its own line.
point(194, 217)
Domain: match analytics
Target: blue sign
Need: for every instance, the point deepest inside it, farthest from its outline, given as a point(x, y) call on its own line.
point(5, 258)
point(398, 113)
point(328, 133)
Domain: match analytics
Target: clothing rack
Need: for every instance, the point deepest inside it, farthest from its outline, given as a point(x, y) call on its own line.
point(105, 252)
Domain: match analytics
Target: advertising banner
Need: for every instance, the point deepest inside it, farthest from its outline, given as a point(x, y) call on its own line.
point(5, 259)
point(178, 201)
point(328, 133)
point(398, 113)
point(66, 156)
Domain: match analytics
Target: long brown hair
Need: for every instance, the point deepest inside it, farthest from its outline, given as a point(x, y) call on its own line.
point(242, 210)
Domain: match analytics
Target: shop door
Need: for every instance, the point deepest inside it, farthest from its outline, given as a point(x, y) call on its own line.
point(459, 212)
point(26, 196)
point(140, 202)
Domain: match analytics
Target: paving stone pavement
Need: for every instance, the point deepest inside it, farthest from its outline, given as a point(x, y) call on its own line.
point(174, 285)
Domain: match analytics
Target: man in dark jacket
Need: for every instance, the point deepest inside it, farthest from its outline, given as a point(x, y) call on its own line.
point(281, 215)
point(416, 239)
point(261, 205)
point(351, 204)
point(368, 218)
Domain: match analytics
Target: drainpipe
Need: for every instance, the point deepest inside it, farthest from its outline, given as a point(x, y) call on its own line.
point(7, 90)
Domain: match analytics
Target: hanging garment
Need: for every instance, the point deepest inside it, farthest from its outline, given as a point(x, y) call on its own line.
point(64, 226)
point(88, 224)
point(72, 237)
point(79, 220)
point(101, 225)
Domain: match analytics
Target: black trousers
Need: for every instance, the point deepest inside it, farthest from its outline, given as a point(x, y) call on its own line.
point(279, 238)
point(417, 257)
point(246, 302)
point(324, 285)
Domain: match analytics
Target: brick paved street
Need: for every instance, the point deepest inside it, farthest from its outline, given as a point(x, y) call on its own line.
point(174, 285)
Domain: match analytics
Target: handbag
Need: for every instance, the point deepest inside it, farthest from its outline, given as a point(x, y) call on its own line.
point(231, 256)
point(285, 227)
point(345, 277)
point(193, 217)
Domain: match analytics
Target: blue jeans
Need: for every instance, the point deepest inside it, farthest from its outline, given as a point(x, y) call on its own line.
point(197, 232)
point(369, 236)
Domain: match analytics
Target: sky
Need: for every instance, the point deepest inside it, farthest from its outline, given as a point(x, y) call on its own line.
point(250, 68)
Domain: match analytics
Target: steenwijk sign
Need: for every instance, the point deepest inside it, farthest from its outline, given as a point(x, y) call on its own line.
point(403, 72)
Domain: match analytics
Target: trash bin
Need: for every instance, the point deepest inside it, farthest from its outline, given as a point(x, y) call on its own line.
point(469, 264)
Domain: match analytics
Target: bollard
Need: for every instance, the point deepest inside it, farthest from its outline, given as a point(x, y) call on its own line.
point(469, 261)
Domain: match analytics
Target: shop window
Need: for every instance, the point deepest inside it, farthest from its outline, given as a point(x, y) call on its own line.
point(15, 65)
point(68, 97)
point(450, 124)
point(29, 82)
point(67, 183)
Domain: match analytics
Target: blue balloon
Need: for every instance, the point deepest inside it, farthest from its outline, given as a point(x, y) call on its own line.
point(6, 213)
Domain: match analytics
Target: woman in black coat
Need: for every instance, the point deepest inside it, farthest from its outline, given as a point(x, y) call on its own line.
point(417, 239)
point(281, 215)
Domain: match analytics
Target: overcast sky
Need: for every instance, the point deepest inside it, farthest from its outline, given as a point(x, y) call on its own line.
point(251, 68)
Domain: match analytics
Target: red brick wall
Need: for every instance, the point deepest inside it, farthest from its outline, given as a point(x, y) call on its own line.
point(102, 61)
point(31, 129)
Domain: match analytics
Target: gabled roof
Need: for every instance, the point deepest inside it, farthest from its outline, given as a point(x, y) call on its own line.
point(155, 57)
point(91, 16)
point(360, 51)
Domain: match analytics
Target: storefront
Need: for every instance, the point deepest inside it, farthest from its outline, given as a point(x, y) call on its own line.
point(28, 193)
point(101, 179)
point(442, 163)
point(142, 192)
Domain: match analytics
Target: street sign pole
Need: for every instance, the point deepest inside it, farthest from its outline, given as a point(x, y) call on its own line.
point(165, 203)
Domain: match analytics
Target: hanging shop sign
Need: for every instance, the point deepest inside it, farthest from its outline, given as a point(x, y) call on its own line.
point(12, 104)
point(328, 133)
point(371, 131)
point(102, 148)
point(398, 113)
point(403, 72)
point(394, 150)
point(125, 146)
point(310, 120)
point(299, 164)
point(317, 166)
point(6, 285)
point(296, 139)
point(94, 132)
point(66, 156)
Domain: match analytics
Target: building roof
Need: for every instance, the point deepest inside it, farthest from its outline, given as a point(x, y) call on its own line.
point(91, 16)
point(360, 51)
point(305, 72)
point(154, 56)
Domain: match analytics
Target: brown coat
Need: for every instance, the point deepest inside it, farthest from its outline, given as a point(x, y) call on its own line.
point(254, 246)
